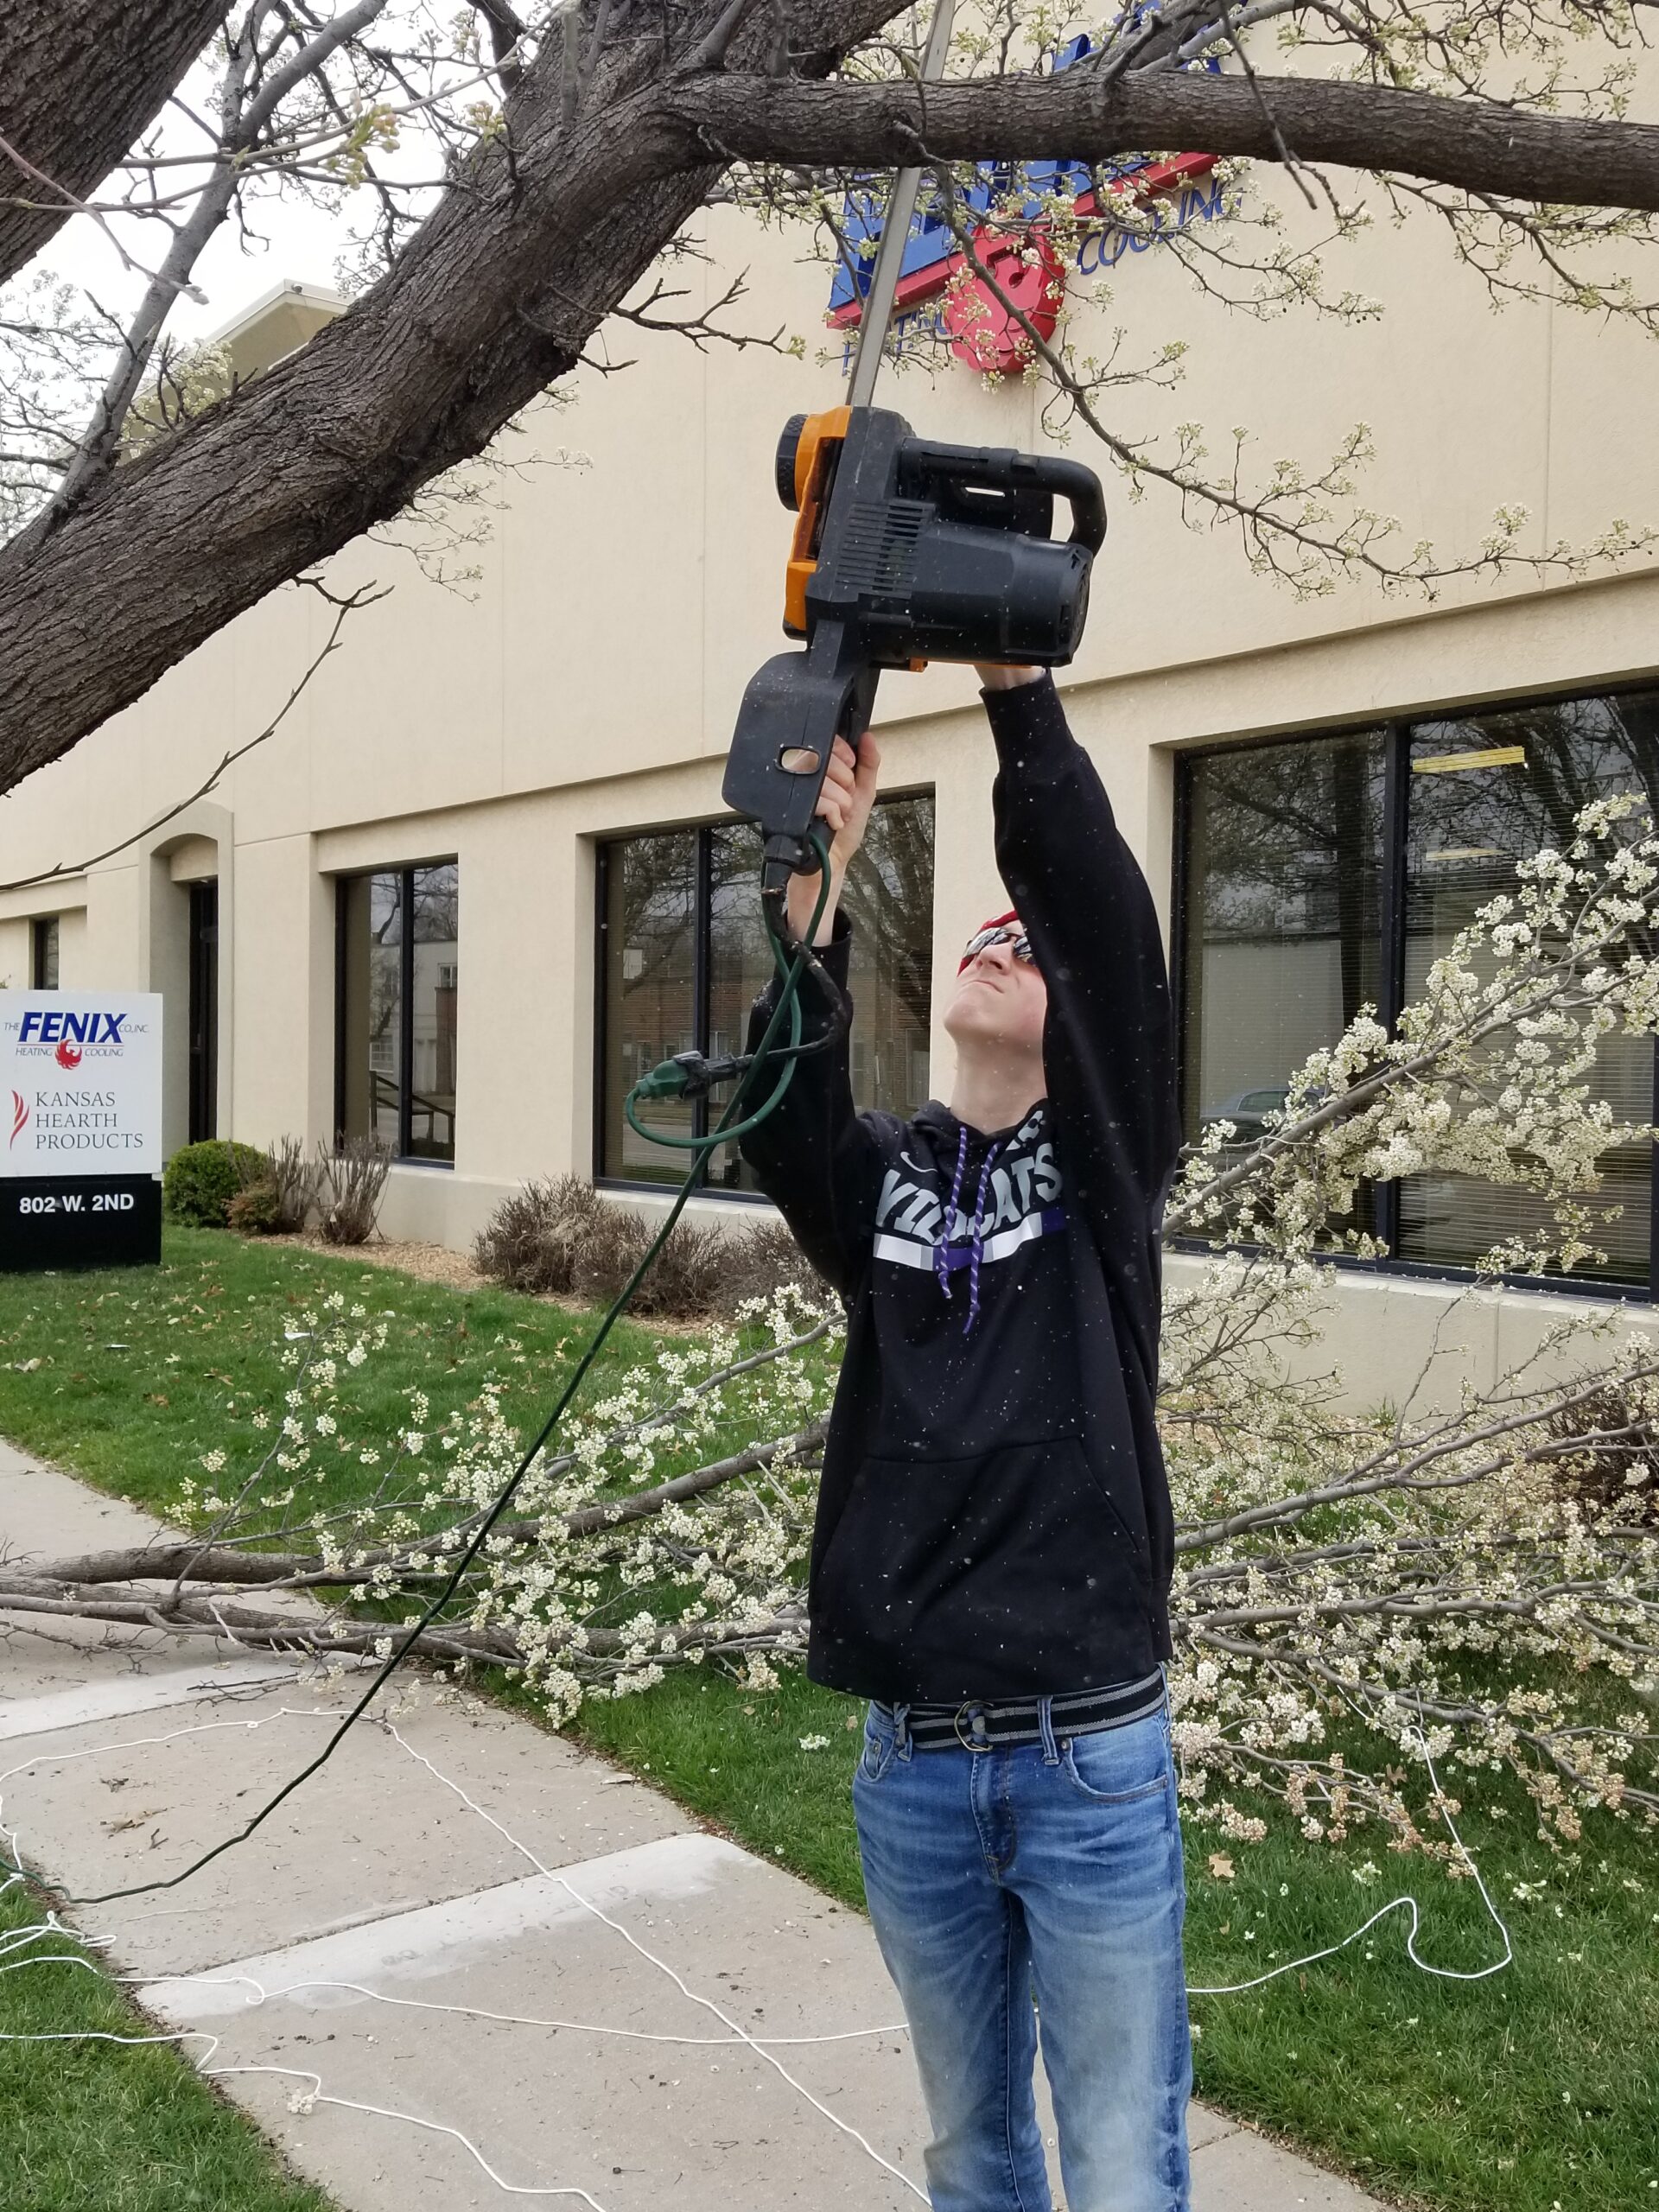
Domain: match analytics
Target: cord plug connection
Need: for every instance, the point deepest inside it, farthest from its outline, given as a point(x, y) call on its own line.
point(689, 1075)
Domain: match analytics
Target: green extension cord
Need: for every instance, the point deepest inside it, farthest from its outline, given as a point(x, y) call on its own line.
point(673, 1078)
point(670, 1078)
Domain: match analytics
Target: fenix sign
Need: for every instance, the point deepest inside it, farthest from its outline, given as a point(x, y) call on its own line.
point(1025, 263)
point(80, 1128)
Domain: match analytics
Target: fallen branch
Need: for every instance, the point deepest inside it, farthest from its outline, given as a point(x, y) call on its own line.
point(228, 1566)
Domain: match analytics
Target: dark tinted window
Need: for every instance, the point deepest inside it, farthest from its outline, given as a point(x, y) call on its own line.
point(399, 978)
point(1282, 927)
point(43, 952)
point(685, 953)
point(1288, 850)
point(650, 982)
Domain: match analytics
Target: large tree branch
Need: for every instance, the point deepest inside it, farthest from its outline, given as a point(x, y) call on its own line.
point(494, 299)
point(219, 1620)
point(506, 282)
point(1479, 145)
point(77, 85)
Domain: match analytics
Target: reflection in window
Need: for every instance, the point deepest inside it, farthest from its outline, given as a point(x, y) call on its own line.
point(398, 953)
point(1288, 848)
point(685, 953)
point(1487, 791)
point(739, 964)
point(1282, 924)
point(889, 901)
point(649, 928)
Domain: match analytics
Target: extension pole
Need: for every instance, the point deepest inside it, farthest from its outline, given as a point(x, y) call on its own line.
point(895, 234)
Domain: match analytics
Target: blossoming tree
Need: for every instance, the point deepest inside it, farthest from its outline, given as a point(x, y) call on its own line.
point(1470, 1575)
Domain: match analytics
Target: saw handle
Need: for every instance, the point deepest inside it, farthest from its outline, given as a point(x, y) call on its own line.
point(996, 485)
point(1080, 488)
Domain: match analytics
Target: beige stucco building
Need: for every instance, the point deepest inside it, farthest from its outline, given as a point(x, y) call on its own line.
point(474, 748)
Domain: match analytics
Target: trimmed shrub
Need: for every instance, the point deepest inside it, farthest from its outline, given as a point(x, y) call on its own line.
point(295, 1181)
point(199, 1181)
point(685, 1278)
point(349, 1185)
point(559, 1235)
point(531, 1240)
point(256, 1211)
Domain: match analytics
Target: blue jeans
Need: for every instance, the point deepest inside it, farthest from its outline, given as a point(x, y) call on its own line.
point(1050, 1869)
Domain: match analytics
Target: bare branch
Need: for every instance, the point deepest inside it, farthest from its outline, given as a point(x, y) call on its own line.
point(365, 595)
point(77, 85)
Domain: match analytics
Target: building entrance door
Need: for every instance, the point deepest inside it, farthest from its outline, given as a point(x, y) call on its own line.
point(204, 1010)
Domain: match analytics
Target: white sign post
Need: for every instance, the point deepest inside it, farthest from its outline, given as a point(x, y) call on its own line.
point(81, 1129)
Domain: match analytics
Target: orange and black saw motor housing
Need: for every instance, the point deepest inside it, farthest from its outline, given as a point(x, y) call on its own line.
point(903, 552)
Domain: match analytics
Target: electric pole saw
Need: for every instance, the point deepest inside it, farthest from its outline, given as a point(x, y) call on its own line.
point(903, 552)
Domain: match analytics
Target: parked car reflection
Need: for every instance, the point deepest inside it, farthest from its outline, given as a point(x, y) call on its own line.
point(1247, 1110)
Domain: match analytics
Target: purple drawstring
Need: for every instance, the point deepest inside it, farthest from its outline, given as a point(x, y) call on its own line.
point(942, 1249)
point(978, 1248)
point(976, 1251)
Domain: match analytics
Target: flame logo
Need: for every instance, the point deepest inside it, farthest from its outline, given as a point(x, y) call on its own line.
point(19, 1115)
point(67, 1056)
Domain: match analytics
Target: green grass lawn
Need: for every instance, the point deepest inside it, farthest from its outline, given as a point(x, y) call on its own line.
point(1533, 2091)
point(103, 2127)
point(126, 1375)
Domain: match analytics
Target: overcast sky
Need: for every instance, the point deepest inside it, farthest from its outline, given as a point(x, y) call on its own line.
point(292, 236)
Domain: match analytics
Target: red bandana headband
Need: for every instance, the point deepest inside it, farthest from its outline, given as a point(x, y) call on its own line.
point(995, 922)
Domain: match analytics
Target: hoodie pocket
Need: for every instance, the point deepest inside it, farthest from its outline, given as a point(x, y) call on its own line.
point(1009, 1566)
point(1127, 1527)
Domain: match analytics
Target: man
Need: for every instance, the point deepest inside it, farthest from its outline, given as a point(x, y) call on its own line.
point(991, 1559)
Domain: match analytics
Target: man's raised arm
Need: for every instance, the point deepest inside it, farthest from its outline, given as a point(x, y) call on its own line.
point(811, 1157)
point(1109, 1047)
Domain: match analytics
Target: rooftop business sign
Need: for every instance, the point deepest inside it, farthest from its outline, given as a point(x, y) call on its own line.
point(81, 1147)
point(979, 330)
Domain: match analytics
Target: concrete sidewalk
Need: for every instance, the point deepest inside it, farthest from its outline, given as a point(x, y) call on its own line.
point(467, 1961)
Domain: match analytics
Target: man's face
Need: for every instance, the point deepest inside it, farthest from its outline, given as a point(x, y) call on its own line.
point(998, 1004)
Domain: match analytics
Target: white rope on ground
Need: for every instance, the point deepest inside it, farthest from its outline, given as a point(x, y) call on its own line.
point(737, 2035)
point(1407, 1902)
point(264, 1996)
point(663, 1967)
point(317, 2095)
point(308, 2102)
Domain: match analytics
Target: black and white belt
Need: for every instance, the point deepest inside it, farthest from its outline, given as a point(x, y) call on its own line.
point(989, 1724)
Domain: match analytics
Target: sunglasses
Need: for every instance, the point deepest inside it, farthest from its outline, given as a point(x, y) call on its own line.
point(1001, 934)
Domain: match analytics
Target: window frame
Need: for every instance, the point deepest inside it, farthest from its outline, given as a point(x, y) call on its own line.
point(406, 872)
point(703, 938)
point(1396, 733)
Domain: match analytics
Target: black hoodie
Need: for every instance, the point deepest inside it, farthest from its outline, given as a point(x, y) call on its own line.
point(993, 1519)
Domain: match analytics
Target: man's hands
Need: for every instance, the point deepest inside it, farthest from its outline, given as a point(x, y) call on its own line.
point(844, 806)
